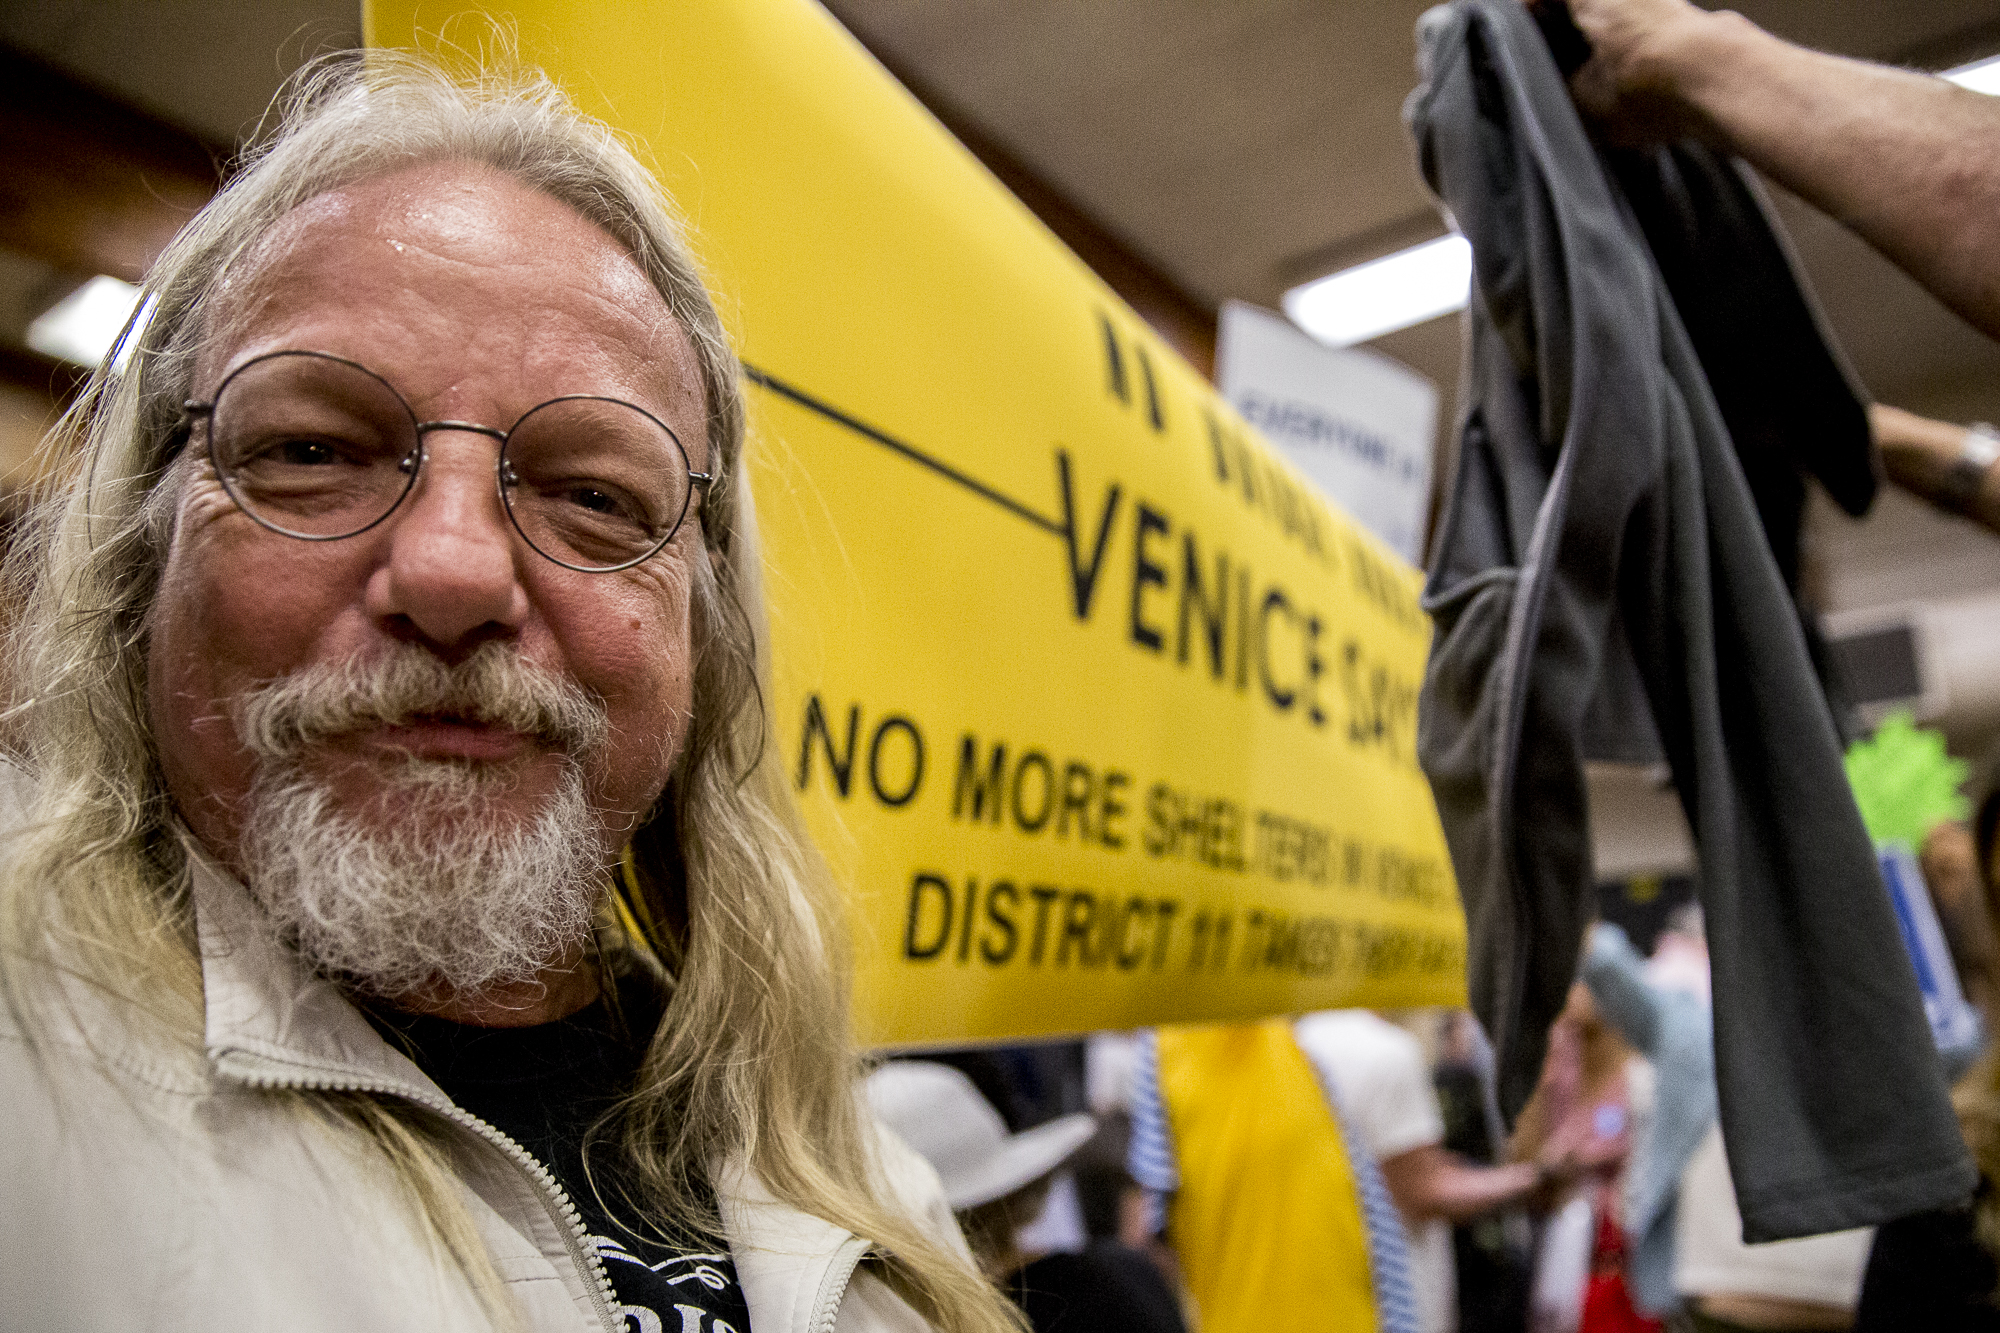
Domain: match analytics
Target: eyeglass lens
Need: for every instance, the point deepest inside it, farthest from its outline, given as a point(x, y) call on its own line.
point(319, 448)
point(594, 482)
point(312, 446)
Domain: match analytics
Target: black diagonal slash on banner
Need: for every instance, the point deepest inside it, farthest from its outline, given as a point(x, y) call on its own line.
point(1083, 574)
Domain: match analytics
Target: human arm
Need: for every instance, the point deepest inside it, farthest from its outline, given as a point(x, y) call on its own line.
point(1429, 1182)
point(1908, 161)
point(1949, 860)
point(1920, 456)
point(1612, 972)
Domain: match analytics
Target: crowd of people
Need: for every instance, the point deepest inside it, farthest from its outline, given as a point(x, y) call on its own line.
point(1608, 1208)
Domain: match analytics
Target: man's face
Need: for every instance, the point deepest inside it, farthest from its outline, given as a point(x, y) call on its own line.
point(477, 298)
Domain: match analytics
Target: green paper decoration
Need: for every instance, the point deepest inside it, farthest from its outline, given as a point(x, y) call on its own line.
point(1904, 782)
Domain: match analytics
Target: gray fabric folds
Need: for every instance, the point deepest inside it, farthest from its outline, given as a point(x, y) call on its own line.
point(1596, 487)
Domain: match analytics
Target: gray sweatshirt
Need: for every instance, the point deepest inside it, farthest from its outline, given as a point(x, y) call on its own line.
point(1596, 494)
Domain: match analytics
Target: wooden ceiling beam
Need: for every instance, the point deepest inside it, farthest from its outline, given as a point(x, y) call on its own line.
point(88, 184)
point(60, 380)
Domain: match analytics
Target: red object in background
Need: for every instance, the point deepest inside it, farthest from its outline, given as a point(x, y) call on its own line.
point(1607, 1304)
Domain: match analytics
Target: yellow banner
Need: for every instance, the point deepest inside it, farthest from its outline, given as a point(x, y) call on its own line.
point(1103, 714)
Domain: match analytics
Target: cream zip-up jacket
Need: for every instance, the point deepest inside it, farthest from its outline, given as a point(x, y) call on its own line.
point(145, 1184)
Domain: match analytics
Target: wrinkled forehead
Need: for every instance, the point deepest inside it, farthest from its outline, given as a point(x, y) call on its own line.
point(446, 255)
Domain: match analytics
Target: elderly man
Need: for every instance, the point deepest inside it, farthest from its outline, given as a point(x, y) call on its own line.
point(402, 924)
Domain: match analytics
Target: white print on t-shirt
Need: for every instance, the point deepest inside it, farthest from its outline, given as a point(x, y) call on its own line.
point(644, 1320)
point(699, 1268)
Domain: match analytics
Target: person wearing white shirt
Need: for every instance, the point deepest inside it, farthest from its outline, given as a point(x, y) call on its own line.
point(1379, 1074)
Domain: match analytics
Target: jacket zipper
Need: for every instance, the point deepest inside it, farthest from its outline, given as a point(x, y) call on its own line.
point(833, 1287)
point(554, 1197)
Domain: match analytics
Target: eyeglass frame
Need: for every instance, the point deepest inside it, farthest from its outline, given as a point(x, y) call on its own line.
point(193, 410)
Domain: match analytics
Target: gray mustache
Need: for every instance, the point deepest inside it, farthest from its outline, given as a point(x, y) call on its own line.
point(494, 686)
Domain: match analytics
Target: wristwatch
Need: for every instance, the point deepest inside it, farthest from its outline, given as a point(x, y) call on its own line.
point(1978, 451)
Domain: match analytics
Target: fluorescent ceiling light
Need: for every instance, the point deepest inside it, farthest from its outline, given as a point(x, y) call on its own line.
point(83, 325)
point(1385, 294)
point(1982, 76)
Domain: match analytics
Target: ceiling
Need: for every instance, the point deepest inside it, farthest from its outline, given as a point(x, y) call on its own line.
point(1249, 146)
point(209, 66)
point(1236, 146)
point(1239, 147)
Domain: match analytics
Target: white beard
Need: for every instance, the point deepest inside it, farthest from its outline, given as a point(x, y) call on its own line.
point(435, 892)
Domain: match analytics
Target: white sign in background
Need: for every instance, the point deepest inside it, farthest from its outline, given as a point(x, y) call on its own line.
point(1358, 423)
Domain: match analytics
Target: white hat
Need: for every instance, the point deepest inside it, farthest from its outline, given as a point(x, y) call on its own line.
point(938, 1112)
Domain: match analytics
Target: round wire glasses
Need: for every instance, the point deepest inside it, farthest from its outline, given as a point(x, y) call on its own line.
point(317, 447)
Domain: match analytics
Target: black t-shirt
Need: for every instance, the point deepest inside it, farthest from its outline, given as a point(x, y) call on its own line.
point(1928, 1271)
point(1106, 1289)
point(545, 1087)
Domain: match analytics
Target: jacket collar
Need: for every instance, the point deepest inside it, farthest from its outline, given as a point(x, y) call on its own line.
point(269, 1020)
point(793, 1267)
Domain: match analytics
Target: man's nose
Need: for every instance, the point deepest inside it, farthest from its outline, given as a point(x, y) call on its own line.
point(453, 566)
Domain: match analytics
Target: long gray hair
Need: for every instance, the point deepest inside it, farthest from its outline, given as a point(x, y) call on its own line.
point(753, 1060)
